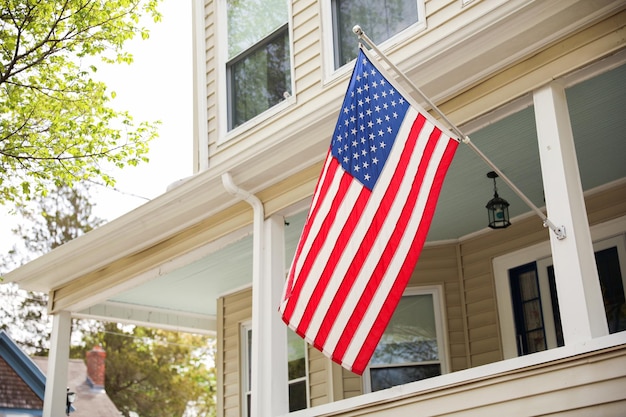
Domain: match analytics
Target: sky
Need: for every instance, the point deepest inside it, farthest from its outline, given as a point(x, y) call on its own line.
point(156, 86)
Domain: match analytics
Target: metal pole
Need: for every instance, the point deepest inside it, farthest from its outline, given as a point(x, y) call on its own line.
point(559, 231)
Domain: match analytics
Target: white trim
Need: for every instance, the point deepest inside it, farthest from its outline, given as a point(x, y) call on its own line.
point(200, 132)
point(245, 353)
point(540, 251)
point(304, 378)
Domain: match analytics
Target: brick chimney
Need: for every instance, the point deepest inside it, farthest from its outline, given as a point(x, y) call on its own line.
point(95, 367)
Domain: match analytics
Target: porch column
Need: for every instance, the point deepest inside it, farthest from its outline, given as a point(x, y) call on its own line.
point(56, 378)
point(577, 283)
point(274, 378)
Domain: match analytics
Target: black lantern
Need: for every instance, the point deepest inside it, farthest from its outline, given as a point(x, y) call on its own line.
point(497, 208)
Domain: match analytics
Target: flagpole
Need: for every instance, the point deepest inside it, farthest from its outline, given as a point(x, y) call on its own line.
point(559, 231)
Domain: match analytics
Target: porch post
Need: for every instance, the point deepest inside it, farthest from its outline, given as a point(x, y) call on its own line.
point(274, 350)
point(56, 378)
point(577, 283)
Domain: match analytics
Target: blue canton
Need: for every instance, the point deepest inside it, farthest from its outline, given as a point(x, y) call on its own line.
point(370, 118)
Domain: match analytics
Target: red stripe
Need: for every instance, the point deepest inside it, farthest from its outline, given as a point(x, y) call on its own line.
point(368, 240)
point(319, 239)
point(392, 245)
point(376, 332)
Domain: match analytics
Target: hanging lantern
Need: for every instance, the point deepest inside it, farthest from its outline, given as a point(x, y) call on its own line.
point(497, 208)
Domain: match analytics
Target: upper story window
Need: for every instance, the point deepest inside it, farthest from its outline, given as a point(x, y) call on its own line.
point(412, 347)
point(380, 19)
point(258, 68)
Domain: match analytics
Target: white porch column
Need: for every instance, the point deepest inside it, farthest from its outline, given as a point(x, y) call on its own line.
point(56, 379)
point(270, 395)
point(274, 350)
point(578, 286)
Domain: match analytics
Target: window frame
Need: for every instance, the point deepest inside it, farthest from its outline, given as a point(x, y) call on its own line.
point(246, 366)
point(327, 25)
point(304, 378)
point(222, 78)
point(601, 235)
point(437, 293)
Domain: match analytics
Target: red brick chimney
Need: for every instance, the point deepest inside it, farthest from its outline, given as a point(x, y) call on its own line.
point(95, 367)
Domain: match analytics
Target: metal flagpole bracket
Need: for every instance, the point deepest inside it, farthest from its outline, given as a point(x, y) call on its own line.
point(558, 231)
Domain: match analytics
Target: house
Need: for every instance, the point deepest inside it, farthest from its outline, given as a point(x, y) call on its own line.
point(23, 381)
point(515, 321)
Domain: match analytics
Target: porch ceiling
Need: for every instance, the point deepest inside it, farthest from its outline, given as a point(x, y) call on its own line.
point(599, 124)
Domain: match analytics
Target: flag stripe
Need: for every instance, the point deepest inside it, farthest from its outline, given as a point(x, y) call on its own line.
point(399, 234)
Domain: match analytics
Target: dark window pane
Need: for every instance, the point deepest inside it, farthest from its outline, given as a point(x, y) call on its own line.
point(612, 286)
point(297, 396)
point(535, 341)
point(296, 368)
point(529, 325)
point(556, 312)
point(380, 19)
point(389, 377)
point(259, 79)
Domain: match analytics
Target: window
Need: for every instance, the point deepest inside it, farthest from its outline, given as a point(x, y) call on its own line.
point(412, 347)
point(297, 369)
point(534, 297)
point(246, 369)
point(380, 19)
point(258, 68)
point(297, 357)
point(530, 306)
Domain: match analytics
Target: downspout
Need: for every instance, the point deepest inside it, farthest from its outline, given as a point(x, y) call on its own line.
point(258, 388)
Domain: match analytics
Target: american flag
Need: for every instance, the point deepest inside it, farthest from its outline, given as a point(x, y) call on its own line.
point(368, 220)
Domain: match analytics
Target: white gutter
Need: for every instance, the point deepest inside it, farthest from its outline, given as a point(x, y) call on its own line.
point(260, 387)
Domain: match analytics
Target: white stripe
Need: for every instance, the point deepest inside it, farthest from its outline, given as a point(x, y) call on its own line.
point(403, 248)
point(362, 225)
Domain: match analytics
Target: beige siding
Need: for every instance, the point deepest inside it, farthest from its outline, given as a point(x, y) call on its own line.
point(211, 73)
point(233, 310)
point(318, 377)
point(306, 47)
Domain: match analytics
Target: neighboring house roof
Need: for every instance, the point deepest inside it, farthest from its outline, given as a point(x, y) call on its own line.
point(90, 402)
point(23, 381)
point(22, 384)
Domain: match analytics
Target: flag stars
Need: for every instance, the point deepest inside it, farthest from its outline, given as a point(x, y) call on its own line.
point(371, 113)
